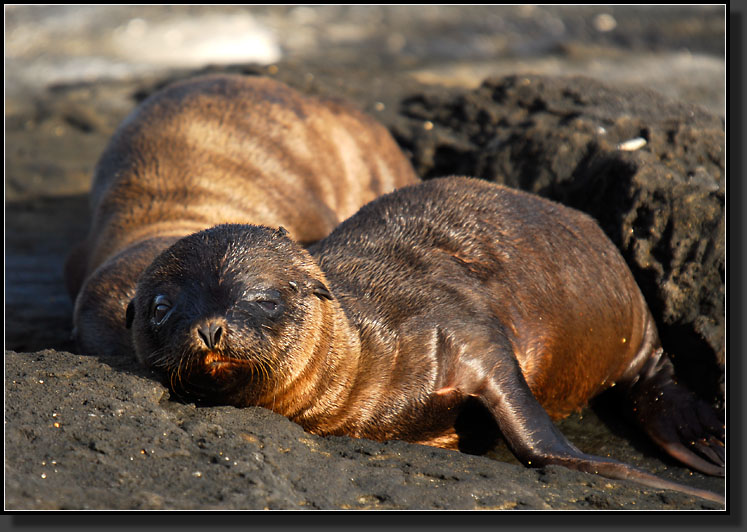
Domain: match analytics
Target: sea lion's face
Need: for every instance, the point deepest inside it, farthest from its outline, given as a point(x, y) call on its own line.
point(218, 313)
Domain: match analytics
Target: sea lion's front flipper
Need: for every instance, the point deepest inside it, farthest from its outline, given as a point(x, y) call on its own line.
point(676, 419)
point(534, 439)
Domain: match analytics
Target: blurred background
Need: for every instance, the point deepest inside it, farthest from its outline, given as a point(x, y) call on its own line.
point(678, 50)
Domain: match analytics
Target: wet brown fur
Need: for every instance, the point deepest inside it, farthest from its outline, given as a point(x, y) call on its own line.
point(218, 149)
point(447, 310)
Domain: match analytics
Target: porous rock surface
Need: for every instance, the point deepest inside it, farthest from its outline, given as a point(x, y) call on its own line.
point(82, 433)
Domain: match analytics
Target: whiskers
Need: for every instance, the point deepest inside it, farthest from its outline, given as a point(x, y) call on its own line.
point(228, 375)
point(173, 365)
point(161, 358)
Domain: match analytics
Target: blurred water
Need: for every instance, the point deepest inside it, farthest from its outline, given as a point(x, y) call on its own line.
point(676, 45)
point(54, 44)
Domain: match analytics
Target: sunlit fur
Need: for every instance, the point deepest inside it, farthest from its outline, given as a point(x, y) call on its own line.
point(217, 149)
point(443, 313)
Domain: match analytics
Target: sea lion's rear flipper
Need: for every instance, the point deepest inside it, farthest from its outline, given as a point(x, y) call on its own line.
point(678, 421)
point(534, 439)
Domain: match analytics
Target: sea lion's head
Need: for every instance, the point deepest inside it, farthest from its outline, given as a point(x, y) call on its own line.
point(227, 314)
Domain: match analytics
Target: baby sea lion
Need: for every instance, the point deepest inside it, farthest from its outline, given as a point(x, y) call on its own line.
point(211, 150)
point(438, 314)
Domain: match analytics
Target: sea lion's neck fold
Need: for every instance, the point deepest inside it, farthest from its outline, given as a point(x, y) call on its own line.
point(321, 382)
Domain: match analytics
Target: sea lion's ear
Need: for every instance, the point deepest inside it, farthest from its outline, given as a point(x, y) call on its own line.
point(130, 316)
point(321, 291)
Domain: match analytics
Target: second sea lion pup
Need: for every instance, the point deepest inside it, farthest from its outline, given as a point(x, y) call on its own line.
point(441, 313)
point(211, 150)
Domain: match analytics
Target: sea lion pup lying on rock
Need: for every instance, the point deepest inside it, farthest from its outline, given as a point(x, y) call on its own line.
point(211, 150)
point(428, 309)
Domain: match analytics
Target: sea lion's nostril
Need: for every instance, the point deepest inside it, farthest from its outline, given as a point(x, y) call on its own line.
point(210, 332)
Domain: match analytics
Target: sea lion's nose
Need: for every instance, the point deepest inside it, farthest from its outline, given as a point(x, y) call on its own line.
point(210, 331)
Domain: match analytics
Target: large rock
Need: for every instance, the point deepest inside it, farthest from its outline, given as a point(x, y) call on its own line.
point(83, 433)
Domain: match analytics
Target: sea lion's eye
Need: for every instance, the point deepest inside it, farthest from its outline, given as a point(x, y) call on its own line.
point(267, 306)
point(270, 302)
point(161, 308)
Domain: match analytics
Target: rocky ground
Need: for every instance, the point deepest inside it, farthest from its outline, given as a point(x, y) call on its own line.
point(464, 91)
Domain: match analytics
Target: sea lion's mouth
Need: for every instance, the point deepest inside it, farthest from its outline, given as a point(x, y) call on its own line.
point(215, 363)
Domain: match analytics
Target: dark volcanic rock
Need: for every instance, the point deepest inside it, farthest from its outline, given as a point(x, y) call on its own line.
point(661, 200)
point(88, 434)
